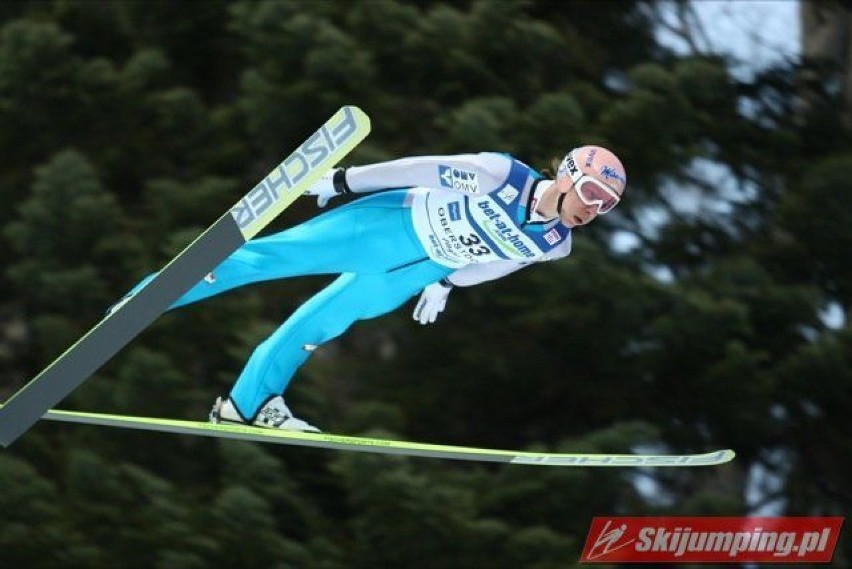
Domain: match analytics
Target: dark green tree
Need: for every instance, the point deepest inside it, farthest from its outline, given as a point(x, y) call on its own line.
point(693, 317)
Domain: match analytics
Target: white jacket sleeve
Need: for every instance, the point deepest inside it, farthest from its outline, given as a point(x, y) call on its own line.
point(464, 173)
point(475, 274)
point(483, 272)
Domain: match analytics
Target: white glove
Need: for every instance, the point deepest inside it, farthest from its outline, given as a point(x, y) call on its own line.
point(432, 302)
point(324, 189)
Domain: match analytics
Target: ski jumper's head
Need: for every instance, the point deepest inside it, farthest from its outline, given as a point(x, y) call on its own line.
point(590, 181)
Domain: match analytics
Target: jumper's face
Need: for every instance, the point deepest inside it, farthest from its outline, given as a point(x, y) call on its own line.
point(590, 181)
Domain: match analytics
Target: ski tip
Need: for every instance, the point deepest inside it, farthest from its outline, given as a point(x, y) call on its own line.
point(359, 118)
point(362, 117)
point(713, 458)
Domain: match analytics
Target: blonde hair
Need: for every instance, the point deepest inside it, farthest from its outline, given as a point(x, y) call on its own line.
point(550, 170)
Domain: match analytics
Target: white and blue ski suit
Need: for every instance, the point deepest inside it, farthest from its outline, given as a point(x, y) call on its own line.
point(466, 218)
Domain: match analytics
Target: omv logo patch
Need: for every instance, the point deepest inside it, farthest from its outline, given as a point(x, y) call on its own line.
point(459, 180)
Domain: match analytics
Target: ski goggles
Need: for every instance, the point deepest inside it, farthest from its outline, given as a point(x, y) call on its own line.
point(590, 190)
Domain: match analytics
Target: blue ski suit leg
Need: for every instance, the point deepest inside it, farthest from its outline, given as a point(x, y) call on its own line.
point(372, 245)
point(351, 297)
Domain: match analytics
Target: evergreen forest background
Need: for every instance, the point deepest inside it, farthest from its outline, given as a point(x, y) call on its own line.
point(694, 318)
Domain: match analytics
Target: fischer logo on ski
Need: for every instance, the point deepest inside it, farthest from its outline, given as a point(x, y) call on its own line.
point(341, 128)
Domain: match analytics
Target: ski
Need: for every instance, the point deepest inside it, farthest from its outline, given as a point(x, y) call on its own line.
point(313, 158)
point(386, 446)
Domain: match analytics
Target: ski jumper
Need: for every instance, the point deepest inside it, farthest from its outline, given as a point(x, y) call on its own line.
point(466, 218)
